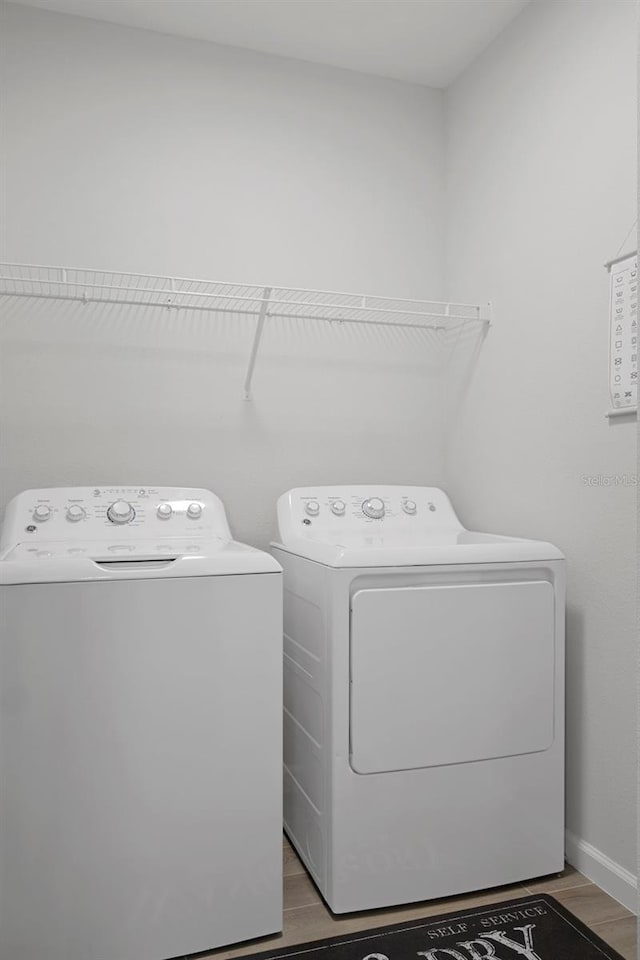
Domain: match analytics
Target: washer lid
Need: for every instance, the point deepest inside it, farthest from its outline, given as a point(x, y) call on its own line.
point(64, 564)
point(386, 526)
point(101, 533)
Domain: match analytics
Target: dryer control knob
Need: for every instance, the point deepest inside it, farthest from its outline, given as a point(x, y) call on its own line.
point(194, 510)
point(75, 513)
point(410, 507)
point(312, 507)
point(338, 507)
point(373, 508)
point(164, 511)
point(42, 512)
point(120, 512)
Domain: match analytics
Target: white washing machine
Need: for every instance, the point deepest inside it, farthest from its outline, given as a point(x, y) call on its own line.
point(424, 697)
point(140, 727)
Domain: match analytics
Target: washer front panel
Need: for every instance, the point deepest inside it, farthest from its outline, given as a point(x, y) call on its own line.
point(140, 809)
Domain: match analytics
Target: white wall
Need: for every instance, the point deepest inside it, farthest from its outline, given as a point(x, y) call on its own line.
point(134, 151)
point(541, 191)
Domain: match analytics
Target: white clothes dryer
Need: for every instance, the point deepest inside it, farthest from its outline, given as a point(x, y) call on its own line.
point(140, 727)
point(423, 697)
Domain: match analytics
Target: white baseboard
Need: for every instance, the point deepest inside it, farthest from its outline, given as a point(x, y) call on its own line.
point(615, 880)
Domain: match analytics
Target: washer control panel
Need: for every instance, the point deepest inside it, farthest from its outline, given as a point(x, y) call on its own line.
point(332, 513)
point(124, 514)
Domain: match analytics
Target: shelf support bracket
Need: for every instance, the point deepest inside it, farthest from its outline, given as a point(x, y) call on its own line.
point(262, 316)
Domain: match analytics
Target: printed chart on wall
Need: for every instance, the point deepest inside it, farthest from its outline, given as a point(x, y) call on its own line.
point(623, 320)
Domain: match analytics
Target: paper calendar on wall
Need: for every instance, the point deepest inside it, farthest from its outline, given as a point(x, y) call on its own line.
point(623, 333)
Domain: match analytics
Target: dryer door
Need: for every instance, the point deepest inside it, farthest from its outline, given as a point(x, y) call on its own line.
point(451, 674)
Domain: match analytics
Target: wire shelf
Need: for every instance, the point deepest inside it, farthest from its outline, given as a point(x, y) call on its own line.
point(254, 300)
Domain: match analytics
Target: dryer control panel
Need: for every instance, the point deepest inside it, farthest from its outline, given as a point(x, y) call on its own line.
point(124, 514)
point(335, 514)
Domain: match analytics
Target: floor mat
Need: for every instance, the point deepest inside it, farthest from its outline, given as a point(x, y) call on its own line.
point(536, 927)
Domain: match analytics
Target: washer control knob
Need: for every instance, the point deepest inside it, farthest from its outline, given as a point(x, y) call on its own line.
point(194, 511)
point(373, 508)
point(312, 507)
point(75, 513)
point(338, 507)
point(410, 507)
point(164, 511)
point(120, 512)
point(42, 512)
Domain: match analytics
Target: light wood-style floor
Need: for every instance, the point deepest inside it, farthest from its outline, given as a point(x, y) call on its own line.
point(306, 917)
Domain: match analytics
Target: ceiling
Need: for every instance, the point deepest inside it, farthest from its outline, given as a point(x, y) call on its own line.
point(420, 41)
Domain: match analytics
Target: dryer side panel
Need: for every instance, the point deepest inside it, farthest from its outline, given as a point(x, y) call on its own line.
point(306, 772)
point(451, 673)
